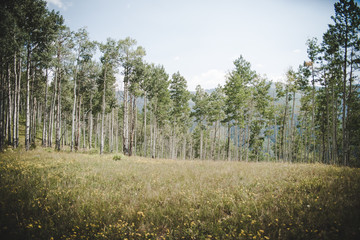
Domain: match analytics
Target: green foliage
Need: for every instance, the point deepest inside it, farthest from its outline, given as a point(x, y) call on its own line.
point(237, 90)
point(93, 151)
point(119, 157)
point(38, 48)
point(180, 97)
point(159, 94)
point(200, 110)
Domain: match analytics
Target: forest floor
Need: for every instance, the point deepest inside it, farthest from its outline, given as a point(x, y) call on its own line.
point(61, 195)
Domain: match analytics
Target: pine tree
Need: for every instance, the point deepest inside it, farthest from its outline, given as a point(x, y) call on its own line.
point(180, 110)
point(237, 91)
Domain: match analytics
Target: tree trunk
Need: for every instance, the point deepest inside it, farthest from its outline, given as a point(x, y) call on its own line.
point(268, 149)
point(44, 133)
point(151, 132)
point(78, 128)
point(135, 127)
point(205, 146)
point(64, 132)
point(131, 115)
point(275, 130)
point(247, 143)
point(33, 103)
point(184, 147)
point(162, 144)
point(145, 135)
point(213, 142)
point(228, 143)
point(241, 144)
point(237, 142)
point(2, 111)
point(73, 116)
point(18, 103)
point(15, 126)
point(313, 111)
point(10, 112)
point(307, 140)
point(125, 119)
point(292, 127)
point(103, 116)
point(153, 155)
point(111, 137)
point(97, 130)
point(328, 129)
point(344, 145)
point(191, 149)
point(218, 141)
point(201, 142)
point(284, 129)
point(173, 147)
point(132, 124)
point(334, 124)
point(84, 129)
point(58, 125)
point(27, 122)
point(90, 122)
point(117, 131)
point(51, 119)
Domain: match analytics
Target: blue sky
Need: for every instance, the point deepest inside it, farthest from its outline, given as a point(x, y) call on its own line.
point(200, 38)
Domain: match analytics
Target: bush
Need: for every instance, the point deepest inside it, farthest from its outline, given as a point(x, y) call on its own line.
point(93, 151)
point(119, 157)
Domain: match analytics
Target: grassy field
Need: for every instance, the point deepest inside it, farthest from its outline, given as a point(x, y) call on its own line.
point(50, 195)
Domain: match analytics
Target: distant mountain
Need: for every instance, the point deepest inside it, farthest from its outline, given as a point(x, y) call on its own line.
point(140, 101)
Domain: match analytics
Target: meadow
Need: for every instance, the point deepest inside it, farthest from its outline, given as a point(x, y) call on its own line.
point(61, 195)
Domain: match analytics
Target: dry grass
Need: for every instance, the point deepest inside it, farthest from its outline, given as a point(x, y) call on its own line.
point(44, 195)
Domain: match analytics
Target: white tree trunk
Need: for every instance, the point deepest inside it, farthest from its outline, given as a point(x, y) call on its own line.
point(126, 120)
point(58, 121)
point(27, 122)
point(73, 116)
point(145, 138)
point(15, 104)
point(103, 116)
point(90, 123)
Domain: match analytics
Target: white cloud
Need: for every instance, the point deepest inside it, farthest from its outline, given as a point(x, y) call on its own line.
point(277, 78)
point(296, 51)
point(177, 58)
point(207, 80)
point(59, 3)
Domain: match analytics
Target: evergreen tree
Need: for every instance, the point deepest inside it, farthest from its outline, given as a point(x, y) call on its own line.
point(180, 110)
point(238, 108)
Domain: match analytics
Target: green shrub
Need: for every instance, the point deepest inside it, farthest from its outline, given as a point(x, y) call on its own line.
point(119, 157)
point(93, 151)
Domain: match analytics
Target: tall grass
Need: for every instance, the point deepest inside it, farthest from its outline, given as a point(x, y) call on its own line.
point(46, 195)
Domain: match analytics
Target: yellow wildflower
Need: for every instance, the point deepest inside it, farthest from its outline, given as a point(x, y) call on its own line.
point(141, 214)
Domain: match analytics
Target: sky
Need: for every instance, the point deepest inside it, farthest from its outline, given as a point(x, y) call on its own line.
point(202, 38)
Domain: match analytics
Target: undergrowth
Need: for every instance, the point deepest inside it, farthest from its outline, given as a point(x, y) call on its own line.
point(62, 195)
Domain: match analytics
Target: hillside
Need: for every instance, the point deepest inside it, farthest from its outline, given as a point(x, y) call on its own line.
point(140, 100)
point(63, 195)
